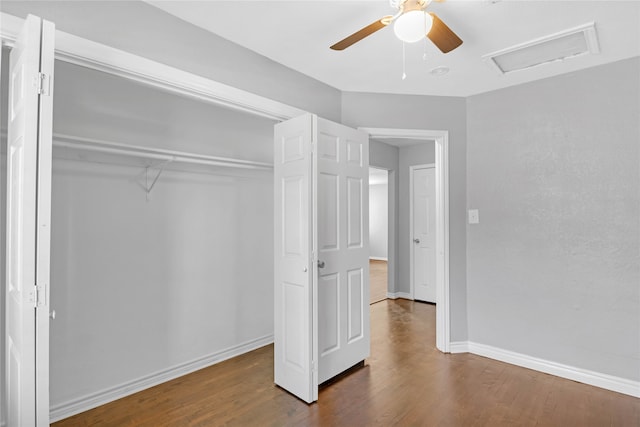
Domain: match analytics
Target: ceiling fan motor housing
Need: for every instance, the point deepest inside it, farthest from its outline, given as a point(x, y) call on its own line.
point(409, 5)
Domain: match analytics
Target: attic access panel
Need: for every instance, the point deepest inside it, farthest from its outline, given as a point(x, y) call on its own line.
point(555, 47)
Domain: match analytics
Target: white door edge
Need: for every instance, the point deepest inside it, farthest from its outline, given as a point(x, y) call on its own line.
point(441, 138)
point(412, 169)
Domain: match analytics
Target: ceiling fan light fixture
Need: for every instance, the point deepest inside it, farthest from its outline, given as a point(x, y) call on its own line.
point(413, 26)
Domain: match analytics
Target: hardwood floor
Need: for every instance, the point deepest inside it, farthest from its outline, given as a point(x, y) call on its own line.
point(405, 382)
point(377, 280)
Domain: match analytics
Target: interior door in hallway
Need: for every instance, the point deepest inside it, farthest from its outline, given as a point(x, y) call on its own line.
point(423, 232)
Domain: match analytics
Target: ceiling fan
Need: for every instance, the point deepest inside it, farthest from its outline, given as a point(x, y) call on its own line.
point(411, 23)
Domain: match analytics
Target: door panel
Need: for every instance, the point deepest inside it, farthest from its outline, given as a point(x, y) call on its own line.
point(355, 305)
point(328, 210)
point(294, 298)
point(354, 212)
point(424, 234)
point(329, 298)
point(342, 173)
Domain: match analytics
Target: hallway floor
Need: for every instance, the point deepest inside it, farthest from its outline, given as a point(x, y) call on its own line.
point(378, 280)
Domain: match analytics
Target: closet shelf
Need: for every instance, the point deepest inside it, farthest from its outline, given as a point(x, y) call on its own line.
point(108, 147)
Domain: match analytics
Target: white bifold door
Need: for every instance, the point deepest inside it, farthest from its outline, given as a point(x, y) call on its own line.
point(321, 252)
point(28, 224)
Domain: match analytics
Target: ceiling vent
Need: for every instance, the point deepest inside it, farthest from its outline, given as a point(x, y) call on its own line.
point(555, 47)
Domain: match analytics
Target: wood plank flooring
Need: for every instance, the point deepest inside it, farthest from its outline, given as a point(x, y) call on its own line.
point(405, 382)
point(378, 280)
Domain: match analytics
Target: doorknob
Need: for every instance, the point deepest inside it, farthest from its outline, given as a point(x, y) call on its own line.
point(52, 315)
point(416, 240)
point(320, 264)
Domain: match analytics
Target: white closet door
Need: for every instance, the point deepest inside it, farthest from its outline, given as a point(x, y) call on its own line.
point(343, 248)
point(295, 332)
point(321, 174)
point(28, 213)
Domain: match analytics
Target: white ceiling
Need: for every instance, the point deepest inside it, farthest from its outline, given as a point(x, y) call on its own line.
point(298, 34)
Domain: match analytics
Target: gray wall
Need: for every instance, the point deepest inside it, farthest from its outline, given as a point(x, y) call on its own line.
point(140, 287)
point(554, 168)
point(142, 29)
point(419, 154)
point(434, 113)
point(378, 220)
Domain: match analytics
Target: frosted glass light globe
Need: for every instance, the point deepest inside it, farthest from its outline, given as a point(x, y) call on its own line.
point(413, 26)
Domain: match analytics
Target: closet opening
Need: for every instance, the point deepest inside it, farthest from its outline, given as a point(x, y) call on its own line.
point(162, 241)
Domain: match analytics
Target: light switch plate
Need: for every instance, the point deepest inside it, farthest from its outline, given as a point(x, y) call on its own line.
point(474, 216)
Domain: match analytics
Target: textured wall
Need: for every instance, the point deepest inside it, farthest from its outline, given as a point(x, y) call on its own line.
point(553, 266)
point(152, 33)
point(433, 113)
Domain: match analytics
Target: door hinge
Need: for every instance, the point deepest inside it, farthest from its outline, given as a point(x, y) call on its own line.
point(39, 296)
point(43, 84)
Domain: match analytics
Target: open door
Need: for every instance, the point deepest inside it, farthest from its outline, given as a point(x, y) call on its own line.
point(295, 301)
point(343, 248)
point(28, 223)
point(321, 252)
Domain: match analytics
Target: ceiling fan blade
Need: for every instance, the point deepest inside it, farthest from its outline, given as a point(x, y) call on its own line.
point(359, 35)
point(442, 36)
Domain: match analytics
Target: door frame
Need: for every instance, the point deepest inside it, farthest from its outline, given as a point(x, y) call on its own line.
point(412, 169)
point(441, 140)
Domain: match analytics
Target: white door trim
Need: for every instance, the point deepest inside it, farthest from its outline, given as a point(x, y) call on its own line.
point(441, 139)
point(411, 234)
point(86, 53)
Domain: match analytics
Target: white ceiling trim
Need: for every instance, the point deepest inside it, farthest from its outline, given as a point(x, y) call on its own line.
point(390, 133)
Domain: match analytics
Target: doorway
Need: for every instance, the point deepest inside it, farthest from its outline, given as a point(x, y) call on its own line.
point(440, 139)
point(378, 234)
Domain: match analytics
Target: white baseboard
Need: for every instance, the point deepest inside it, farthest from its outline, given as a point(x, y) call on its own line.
point(396, 295)
point(93, 400)
point(377, 258)
point(459, 347)
point(608, 382)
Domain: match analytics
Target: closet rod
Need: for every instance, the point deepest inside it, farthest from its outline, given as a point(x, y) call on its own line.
point(67, 141)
